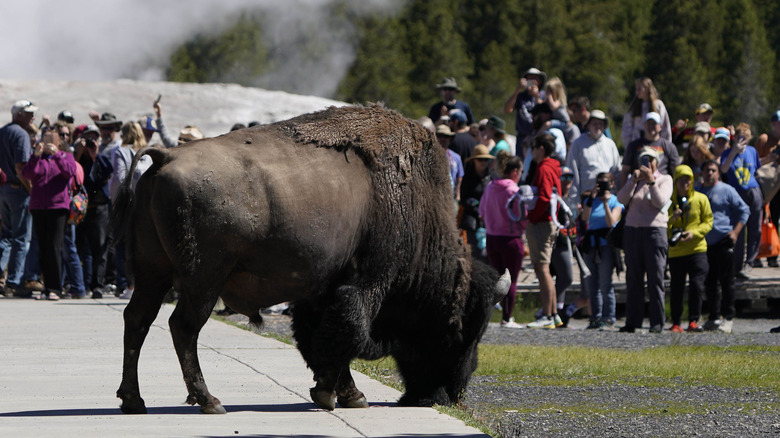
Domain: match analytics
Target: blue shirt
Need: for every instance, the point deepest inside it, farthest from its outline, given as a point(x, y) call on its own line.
point(598, 219)
point(14, 148)
point(456, 168)
point(741, 174)
point(728, 208)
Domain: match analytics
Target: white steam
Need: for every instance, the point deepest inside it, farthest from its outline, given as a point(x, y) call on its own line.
point(91, 40)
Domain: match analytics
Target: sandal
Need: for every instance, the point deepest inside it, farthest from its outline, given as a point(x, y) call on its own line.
point(53, 296)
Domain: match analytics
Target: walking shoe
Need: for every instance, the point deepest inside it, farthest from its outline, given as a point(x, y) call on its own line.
point(543, 322)
point(775, 330)
point(127, 294)
point(676, 329)
point(96, 294)
point(742, 275)
point(16, 291)
point(594, 325)
point(693, 327)
point(34, 286)
point(757, 263)
point(627, 329)
point(772, 263)
point(558, 321)
point(712, 324)
point(658, 328)
point(607, 326)
point(511, 324)
point(726, 326)
point(78, 295)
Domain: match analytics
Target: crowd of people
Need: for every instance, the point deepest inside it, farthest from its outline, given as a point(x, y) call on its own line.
point(682, 203)
point(558, 192)
point(46, 245)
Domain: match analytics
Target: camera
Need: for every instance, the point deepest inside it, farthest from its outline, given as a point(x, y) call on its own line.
point(676, 236)
point(90, 144)
point(603, 187)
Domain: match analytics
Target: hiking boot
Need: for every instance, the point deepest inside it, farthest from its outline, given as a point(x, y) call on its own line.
point(693, 327)
point(34, 286)
point(676, 329)
point(558, 321)
point(726, 326)
point(543, 322)
point(712, 324)
point(511, 324)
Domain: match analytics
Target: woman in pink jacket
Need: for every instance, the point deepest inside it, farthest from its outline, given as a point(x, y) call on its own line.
point(504, 247)
point(49, 171)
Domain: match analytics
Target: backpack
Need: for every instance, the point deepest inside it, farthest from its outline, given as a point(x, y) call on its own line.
point(523, 201)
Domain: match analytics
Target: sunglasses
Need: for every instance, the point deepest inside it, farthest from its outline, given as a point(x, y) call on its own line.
point(567, 177)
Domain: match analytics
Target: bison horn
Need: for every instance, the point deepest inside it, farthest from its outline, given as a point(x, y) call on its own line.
point(502, 287)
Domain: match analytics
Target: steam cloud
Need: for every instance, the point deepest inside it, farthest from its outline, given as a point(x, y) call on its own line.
point(94, 40)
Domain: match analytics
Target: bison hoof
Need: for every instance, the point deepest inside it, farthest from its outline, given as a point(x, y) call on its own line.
point(213, 408)
point(353, 402)
point(133, 406)
point(323, 398)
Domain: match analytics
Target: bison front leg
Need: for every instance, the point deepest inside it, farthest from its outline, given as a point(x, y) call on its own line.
point(347, 393)
point(186, 322)
point(139, 315)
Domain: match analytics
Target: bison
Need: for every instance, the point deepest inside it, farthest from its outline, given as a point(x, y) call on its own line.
point(344, 212)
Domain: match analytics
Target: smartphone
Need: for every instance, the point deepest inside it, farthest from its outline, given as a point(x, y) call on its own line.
point(645, 161)
point(159, 96)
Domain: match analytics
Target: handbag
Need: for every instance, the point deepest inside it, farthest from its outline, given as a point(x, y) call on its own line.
point(768, 177)
point(78, 203)
point(615, 235)
point(770, 241)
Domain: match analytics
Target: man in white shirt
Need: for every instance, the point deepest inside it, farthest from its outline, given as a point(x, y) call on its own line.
point(591, 154)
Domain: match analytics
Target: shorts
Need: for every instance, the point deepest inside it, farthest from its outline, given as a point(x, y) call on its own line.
point(541, 240)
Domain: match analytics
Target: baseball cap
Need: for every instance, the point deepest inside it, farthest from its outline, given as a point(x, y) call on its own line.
point(776, 116)
point(459, 115)
point(654, 116)
point(23, 105)
point(702, 127)
point(648, 151)
point(722, 133)
point(704, 108)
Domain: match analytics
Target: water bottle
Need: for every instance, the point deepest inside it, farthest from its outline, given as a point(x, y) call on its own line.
point(481, 238)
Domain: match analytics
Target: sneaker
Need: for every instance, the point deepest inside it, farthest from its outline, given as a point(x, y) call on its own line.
point(34, 286)
point(511, 324)
point(743, 275)
point(594, 325)
point(96, 294)
point(726, 326)
point(558, 321)
point(658, 328)
point(126, 295)
point(757, 263)
point(712, 324)
point(676, 329)
point(607, 326)
point(693, 327)
point(772, 263)
point(565, 318)
point(543, 322)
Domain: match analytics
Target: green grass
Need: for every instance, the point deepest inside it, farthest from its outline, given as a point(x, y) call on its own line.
point(743, 366)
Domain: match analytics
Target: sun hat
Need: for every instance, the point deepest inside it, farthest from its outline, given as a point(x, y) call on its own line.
point(189, 133)
point(449, 83)
point(497, 123)
point(444, 130)
point(722, 133)
point(480, 152)
point(598, 115)
point(535, 71)
point(108, 120)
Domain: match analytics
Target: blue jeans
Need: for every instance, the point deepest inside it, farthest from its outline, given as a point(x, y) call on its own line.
point(15, 232)
point(32, 263)
point(601, 263)
point(70, 259)
point(755, 200)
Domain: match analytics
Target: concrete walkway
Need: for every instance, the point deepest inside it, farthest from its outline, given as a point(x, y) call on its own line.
point(61, 364)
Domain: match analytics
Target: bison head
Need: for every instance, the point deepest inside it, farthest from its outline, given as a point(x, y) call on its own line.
point(443, 378)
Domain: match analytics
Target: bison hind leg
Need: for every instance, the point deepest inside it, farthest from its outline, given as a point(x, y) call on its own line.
point(347, 393)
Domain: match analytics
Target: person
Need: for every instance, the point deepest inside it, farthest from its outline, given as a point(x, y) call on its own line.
point(668, 158)
point(542, 232)
point(645, 101)
point(697, 153)
point(525, 97)
point(690, 219)
point(720, 142)
point(463, 143)
point(168, 140)
point(444, 137)
point(646, 195)
point(495, 132)
point(476, 177)
point(189, 133)
point(555, 96)
point(579, 112)
point(592, 154)
point(15, 234)
point(504, 241)
point(767, 148)
point(50, 171)
point(729, 216)
point(601, 210)
point(682, 133)
point(739, 164)
point(448, 89)
point(542, 116)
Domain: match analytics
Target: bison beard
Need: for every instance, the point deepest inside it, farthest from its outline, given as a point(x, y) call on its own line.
point(344, 212)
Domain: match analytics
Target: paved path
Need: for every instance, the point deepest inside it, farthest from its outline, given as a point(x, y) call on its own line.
point(60, 366)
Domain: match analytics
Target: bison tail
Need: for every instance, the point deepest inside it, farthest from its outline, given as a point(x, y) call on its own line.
point(124, 202)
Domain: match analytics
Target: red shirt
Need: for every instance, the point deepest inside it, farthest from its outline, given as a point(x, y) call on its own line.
point(548, 175)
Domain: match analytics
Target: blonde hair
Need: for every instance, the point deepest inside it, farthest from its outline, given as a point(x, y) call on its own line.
point(701, 144)
point(743, 129)
point(133, 136)
point(652, 96)
point(557, 90)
